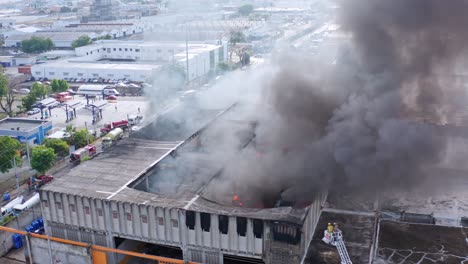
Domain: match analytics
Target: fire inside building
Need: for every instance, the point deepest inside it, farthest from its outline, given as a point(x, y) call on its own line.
point(158, 192)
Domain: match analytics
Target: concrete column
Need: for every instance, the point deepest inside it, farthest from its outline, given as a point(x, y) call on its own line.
point(107, 210)
point(28, 244)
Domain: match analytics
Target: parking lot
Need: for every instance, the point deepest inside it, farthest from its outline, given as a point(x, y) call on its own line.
point(111, 111)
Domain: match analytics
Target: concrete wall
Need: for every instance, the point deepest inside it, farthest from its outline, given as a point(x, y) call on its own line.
point(20, 222)
point(61, 253)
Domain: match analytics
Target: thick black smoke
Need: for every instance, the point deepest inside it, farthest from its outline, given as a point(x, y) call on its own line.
point(362, 121)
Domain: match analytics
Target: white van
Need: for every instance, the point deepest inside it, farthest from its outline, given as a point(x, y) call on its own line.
point(24, 91)
point(134, 119)
point(110, 91)
point(8, 208)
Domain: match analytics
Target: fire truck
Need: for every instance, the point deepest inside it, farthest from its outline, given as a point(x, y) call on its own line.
point(78, 155)
point(123, 124)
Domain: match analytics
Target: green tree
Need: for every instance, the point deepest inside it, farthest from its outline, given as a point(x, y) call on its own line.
point(7, 97)
point(106, 37)
point(9, 150)
point(81, 41)
point(245, 10)
point(36, 45)
point(59, 146)
point(235, 37)
point(27, 102)
point(42, 159)
point(58, 86)
point(39, 90)
point(224, 66)
point(80, 138)
point(70, 129)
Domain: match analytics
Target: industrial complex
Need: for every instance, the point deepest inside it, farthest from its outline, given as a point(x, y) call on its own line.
point(233, 132)
point(134, 60)
point(137, 197)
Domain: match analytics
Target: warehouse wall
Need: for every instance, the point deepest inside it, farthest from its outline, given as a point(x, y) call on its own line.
point(200, 235)
point(55, 72)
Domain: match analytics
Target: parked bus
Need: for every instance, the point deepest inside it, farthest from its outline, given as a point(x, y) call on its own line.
point(8, 208)
point(28, 204)
point(96, 90)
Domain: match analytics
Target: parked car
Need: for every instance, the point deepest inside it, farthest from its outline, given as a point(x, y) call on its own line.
point(40, 180)
point(24, 91)
point(34, 111)
point(43, 179)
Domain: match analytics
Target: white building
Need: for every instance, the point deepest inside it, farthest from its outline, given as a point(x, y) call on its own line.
point(66, 69)
point(138, 60)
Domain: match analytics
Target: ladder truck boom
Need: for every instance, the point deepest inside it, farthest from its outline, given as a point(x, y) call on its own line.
point(333, 236)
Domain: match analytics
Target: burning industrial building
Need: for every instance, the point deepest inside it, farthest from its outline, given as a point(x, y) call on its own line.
point(250, 183)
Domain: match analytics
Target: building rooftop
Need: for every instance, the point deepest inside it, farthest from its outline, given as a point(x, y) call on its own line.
point(109, 172)
point(99, 65)
point(23, 124)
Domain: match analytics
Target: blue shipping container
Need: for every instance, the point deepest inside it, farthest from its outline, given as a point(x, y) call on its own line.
point(6, 197)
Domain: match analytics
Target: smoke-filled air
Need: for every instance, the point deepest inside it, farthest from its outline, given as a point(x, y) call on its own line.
point(365, 119)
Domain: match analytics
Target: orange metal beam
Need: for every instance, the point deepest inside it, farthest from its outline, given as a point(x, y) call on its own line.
point(161, 260)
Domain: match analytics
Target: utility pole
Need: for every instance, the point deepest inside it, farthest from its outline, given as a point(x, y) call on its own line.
point(16, 176)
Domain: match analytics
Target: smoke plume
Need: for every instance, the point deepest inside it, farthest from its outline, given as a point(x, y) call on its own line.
point(361, 122)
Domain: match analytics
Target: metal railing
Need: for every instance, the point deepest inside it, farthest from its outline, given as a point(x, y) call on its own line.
point(97, 252)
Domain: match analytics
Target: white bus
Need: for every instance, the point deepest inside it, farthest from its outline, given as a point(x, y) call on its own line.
point(8, 208)
point(96, 90)
point(28, 204)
